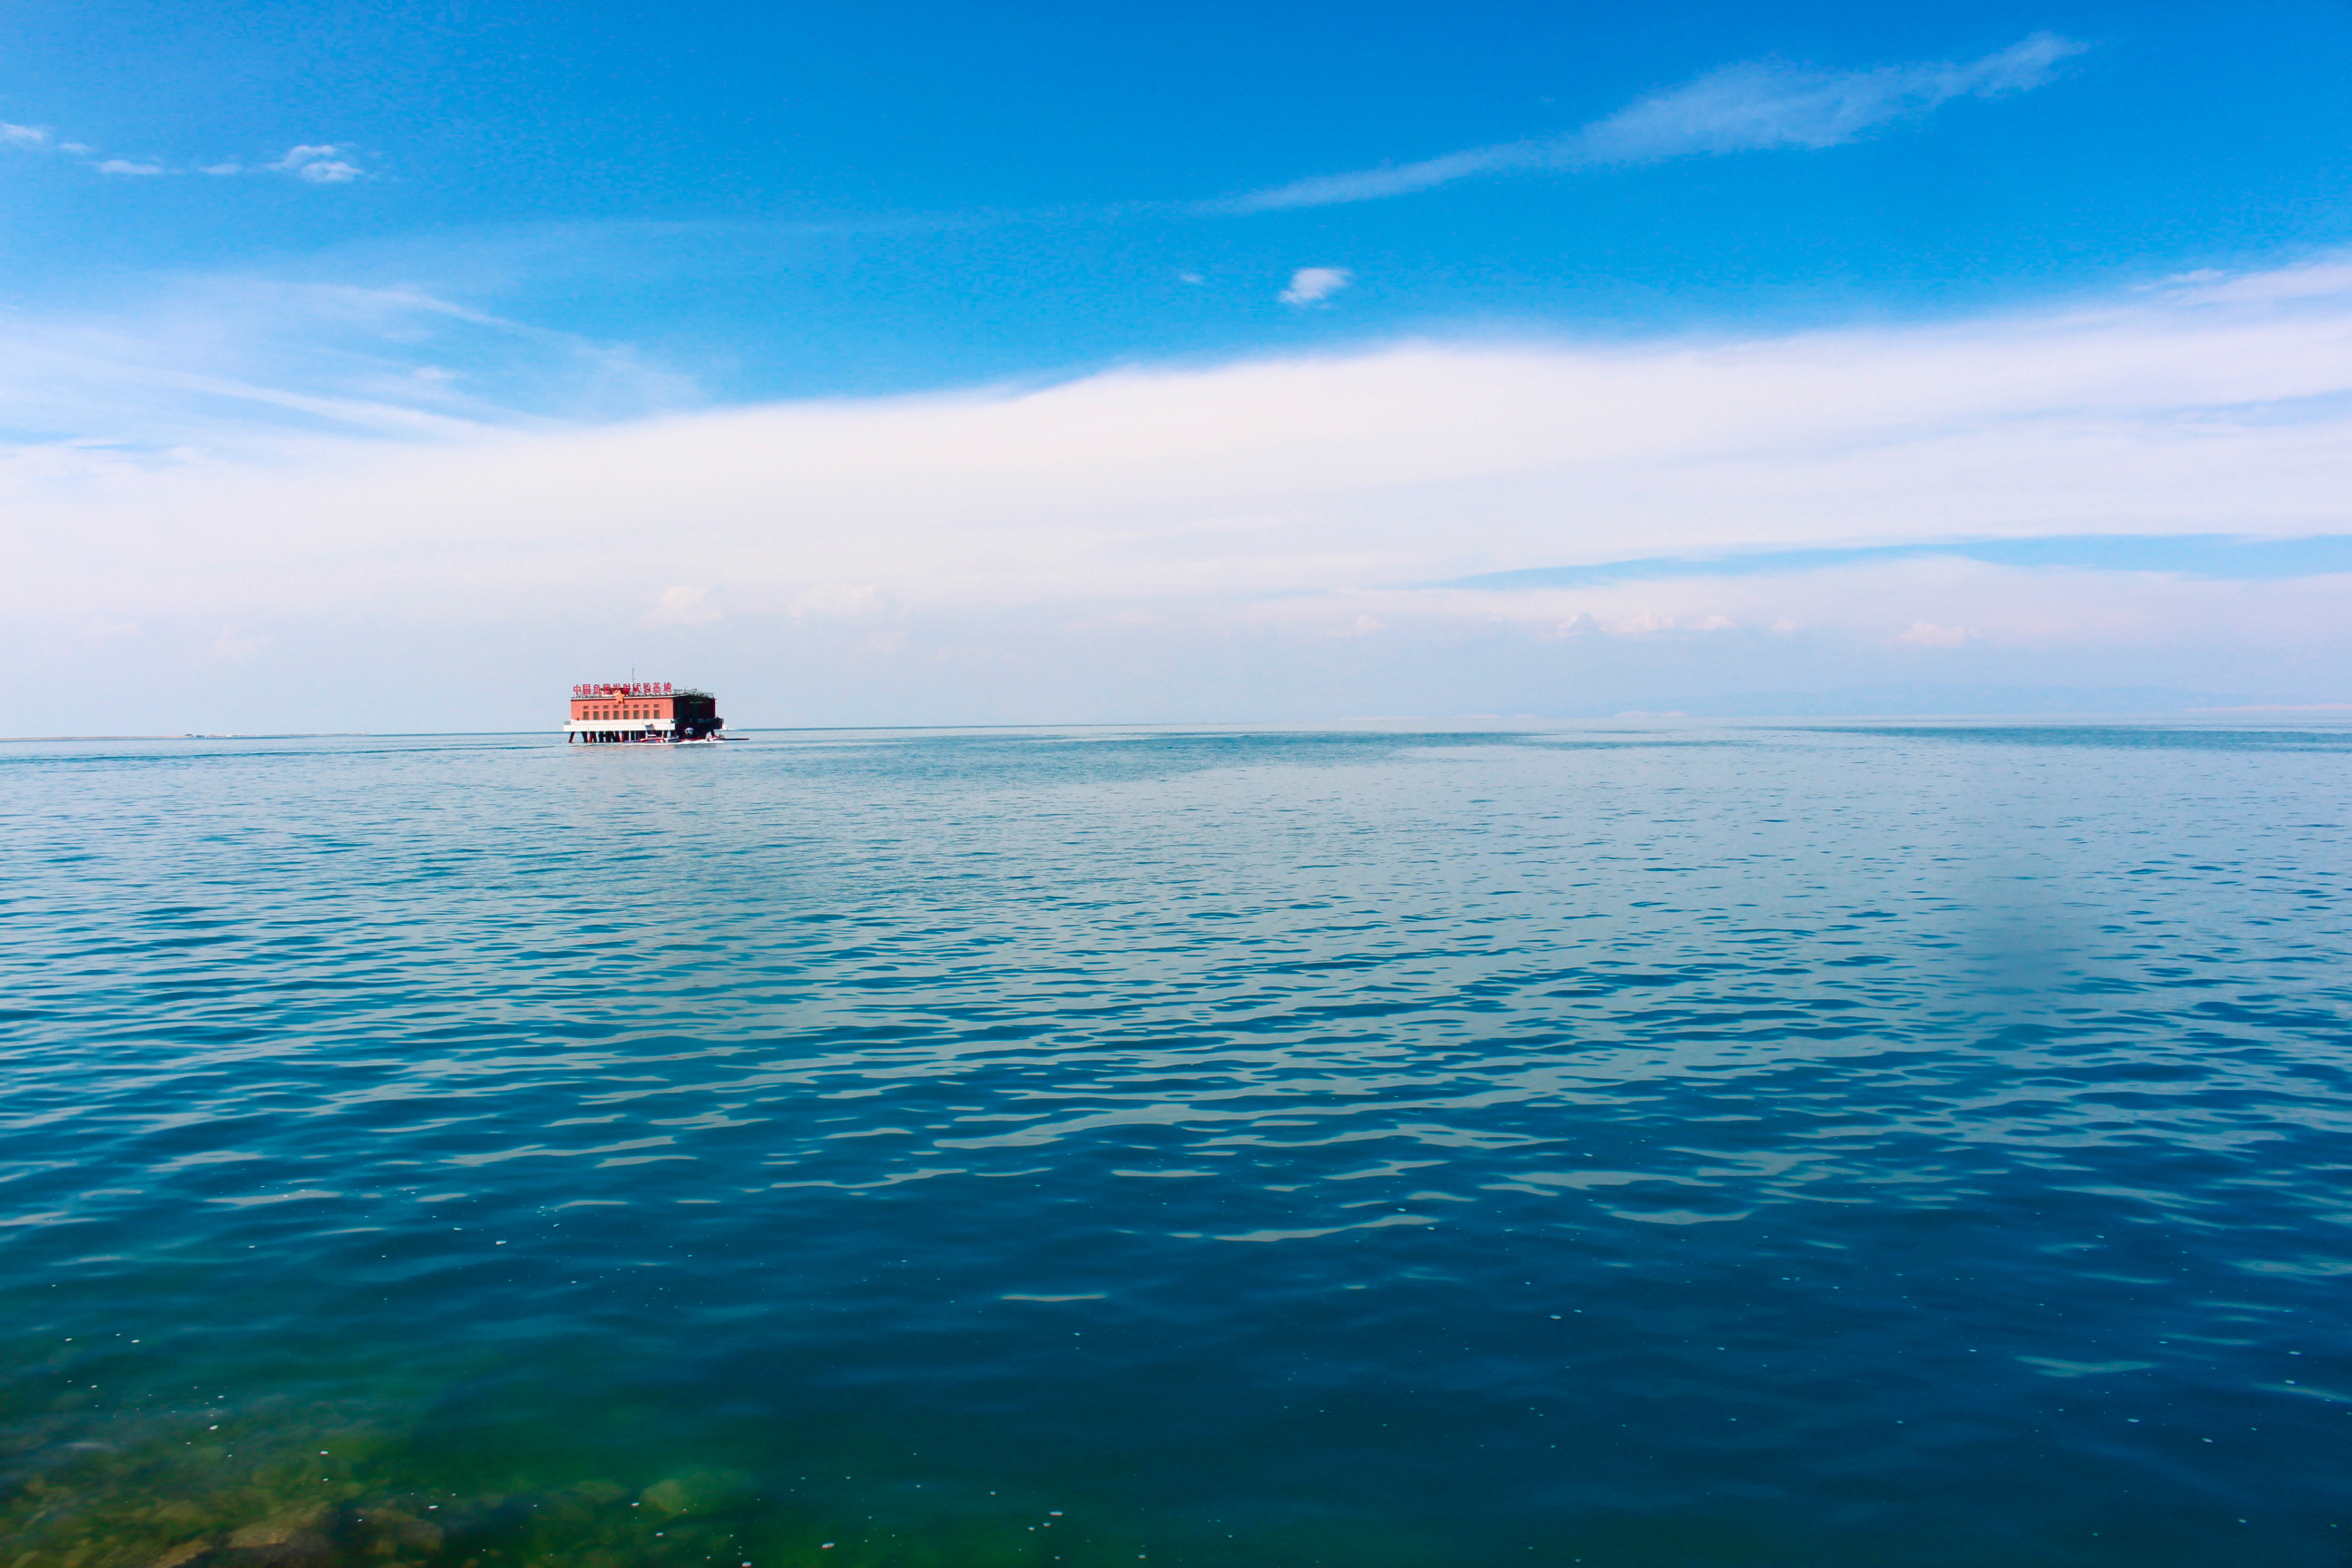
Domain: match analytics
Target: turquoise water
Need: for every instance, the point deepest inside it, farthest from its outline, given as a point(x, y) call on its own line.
point(1914, 1144)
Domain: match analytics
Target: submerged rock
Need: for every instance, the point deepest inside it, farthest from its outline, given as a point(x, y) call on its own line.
point(282, 1529)
point(697, 1491)
point(290, 1539)
point(386, 1530)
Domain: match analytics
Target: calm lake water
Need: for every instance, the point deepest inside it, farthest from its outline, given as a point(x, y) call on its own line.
point(1899, 1144)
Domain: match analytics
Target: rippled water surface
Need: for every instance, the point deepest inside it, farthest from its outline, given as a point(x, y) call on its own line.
point(1864, 1146)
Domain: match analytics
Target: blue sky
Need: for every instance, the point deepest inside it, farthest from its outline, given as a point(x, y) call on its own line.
point(263, 250)
point(781, 200)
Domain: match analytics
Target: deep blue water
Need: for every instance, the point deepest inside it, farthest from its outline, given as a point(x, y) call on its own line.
point(1898, 1144)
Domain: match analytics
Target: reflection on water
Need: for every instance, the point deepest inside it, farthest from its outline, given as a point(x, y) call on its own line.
point(1685, 1146)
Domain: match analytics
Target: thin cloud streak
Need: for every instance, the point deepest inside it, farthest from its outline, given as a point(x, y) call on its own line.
point(248, 369)
point(1752, 107)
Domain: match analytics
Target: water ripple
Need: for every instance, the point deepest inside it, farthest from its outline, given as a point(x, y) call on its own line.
point(1916, 1142)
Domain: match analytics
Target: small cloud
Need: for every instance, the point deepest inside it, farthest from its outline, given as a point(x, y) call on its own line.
point(321, 165)
point(228, 168)
point(22, 135)
point(234, 649)
point(1926, 633)
point(845, 600)
point(125, 166)
point(1190, 278)
point(684, 606)
point(1312, 285)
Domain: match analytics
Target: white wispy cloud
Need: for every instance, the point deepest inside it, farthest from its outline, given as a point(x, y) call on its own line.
point(1769, 105)
point(1755, 106)
point(1207, 540)
point(1312, 285)
point(317, 164)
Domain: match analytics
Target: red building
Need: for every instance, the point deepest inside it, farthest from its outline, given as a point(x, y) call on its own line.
point(642, 711)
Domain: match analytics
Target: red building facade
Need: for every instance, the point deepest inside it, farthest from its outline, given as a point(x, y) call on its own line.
point(606, 712)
